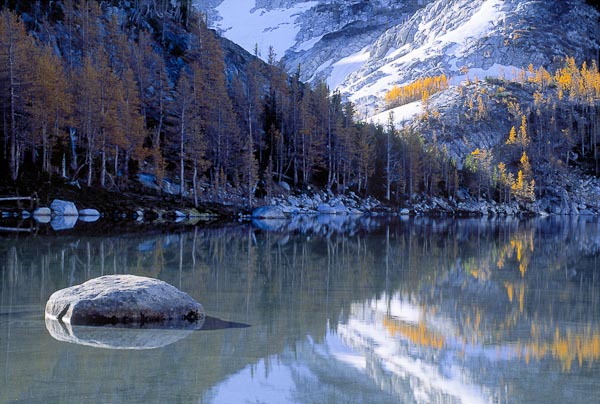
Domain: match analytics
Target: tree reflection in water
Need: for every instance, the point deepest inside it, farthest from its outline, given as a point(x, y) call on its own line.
point(414, 310)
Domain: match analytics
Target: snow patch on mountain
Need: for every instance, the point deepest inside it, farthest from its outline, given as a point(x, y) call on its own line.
point(344, 67)
point(315, 34)
point(250, 26)
point(400, 115)
point(475, 27)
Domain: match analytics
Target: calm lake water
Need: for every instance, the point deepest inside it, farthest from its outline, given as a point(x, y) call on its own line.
point(358, 311)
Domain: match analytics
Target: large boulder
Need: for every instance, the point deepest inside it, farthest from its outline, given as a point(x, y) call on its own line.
point(63, 208)
point(124, 300)
point(269, 212)
point(337, 209)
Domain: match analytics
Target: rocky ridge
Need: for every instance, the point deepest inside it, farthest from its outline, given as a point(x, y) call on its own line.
point(325, 32)
point(464, 38)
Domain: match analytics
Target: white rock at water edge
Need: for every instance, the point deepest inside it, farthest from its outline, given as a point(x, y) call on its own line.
point(89, 212)
point(269, 212)
point(43, 211)
point(63, 208)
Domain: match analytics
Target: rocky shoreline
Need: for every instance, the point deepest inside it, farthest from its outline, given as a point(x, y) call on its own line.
point(576, 196)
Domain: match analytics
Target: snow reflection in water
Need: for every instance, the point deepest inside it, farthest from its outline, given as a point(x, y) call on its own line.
point(373, 311)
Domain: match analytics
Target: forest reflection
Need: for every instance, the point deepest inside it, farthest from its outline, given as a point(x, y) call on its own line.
point(483, 296)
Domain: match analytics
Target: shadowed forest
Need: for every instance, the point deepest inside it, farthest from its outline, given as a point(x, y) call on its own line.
point(98, 93)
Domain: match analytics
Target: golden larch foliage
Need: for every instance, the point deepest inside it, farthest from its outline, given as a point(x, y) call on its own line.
point(420, 89)
point(417, 334)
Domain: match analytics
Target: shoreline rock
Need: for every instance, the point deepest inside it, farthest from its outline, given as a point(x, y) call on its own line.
point(63, 208)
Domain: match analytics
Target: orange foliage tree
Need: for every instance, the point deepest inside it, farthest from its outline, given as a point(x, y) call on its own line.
point(419, 89)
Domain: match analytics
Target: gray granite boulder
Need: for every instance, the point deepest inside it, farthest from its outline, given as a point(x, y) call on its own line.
point(268, 212)
point(89, 212)
point(337, 209)
point(63, 208)
point(43, 211)
point(124, 300)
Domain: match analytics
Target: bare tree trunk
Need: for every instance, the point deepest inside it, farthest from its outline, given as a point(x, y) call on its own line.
point(14, 169)
point(45, 167)
point(89, 163)
point(181, 151)
point(72, 132)
point(195, 183)
point(103, 167)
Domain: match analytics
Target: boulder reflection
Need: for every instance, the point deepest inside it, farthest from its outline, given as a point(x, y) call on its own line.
point(345, 310)
point(113, 337)
point(149, 336)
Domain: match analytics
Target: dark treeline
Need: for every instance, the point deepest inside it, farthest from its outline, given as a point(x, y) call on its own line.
point(99, 92)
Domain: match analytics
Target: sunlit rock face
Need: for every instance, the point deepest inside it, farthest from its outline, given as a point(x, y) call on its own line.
point(476, 38)
point(125, 300)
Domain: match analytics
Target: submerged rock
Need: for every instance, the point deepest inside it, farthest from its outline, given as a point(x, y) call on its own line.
point(270, 224)
point(89, 219)
point(124, 300)
point(148, 336)
point(43, 219)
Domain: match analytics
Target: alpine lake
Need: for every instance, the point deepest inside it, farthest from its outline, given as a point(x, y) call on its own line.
point(336, 309)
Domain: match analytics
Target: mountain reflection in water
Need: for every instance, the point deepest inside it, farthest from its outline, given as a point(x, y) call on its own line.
point(363, 310)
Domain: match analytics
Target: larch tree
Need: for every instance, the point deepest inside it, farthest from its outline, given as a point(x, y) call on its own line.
point(389, 155)
point(129, 112)
point(185, 121)
point(216, 110)
point(310, 142)
point(87, 112)
point(51, 104)
point(16, 77)
point(154, 90)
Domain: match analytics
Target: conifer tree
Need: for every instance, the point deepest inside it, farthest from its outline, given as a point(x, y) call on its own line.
point(51, 104)
point(154, 90)
point(186, 122)
point(15, 80)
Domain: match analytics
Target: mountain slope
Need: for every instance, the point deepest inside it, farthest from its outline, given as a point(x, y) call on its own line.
point(315, 34)
point(363, 48)
point(475, 38)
